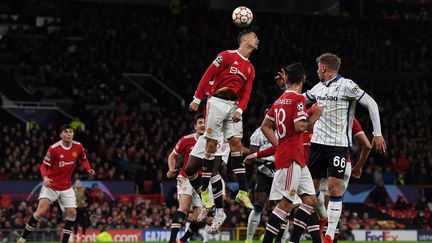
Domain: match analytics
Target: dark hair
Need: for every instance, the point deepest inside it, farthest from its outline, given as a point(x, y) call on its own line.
point(243, 33)
point(295, 72)
point(64, 127)
point(198, 116)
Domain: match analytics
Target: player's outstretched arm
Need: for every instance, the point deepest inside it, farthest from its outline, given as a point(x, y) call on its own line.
point(366, 147)
point(378, 141)
point(172, 171)
point(203, 86)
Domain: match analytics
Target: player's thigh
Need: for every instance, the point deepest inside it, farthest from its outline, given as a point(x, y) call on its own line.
point(306, 186)
point(49, 194)
point(67, 199)
point(193, 165)
point(285, 183)
point(317, 163)
point(336, 160)
point(43, 206)
point(216, 114)
point(231, 128)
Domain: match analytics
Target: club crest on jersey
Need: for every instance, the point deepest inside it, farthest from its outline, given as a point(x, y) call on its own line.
point(74, 154)
point(209, 130)
point(293, 192)
point(300, 106)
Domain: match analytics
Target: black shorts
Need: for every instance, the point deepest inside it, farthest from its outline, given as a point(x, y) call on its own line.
point(263, 183)
point(325, 161)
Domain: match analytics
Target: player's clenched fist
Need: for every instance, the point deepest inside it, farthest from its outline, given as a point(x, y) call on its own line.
point(193, 106)
point(91, 172)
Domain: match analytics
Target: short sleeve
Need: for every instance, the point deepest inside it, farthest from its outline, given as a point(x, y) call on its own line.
point(353, 91)
point(179, 148)
point(300, 109)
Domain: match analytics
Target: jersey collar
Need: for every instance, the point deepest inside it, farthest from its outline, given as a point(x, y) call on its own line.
point(327, 83)
point(242, 56)
point(290, 91)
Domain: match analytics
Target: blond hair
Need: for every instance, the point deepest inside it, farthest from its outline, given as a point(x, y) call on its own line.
point(332, 61)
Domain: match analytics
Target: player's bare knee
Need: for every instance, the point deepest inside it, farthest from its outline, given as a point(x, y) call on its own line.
point(309, 200)
point(235, 144)
point(211, 146)
point(71, 213)
point(335, 190)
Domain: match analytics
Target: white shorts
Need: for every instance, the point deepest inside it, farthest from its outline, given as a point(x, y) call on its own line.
point(223, 149)
point(65, 198)
point(185, 188)
point(219, 122)
point(324, 181)
point(291, 182)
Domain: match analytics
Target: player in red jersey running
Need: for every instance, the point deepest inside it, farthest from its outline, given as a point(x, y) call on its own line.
point(56, 169)
point(232, 75)
point(292, 177)
point(187, 196)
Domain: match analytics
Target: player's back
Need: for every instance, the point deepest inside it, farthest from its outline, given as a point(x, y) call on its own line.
point(235, 73)
point(286, 110)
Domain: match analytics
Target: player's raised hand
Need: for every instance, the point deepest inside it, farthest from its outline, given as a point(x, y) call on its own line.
point(171, 173)
point(47, 181)
point(91, 172)
point(379, 144)
point(193, 106)
point(281, 78)
point(237, 116)
point(356, 172)
point(250, 158)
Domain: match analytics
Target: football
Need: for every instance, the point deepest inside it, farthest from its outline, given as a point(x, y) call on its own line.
point(242, 16)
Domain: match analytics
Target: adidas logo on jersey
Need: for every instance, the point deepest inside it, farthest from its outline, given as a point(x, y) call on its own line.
point(236, 63)
point(62, 156)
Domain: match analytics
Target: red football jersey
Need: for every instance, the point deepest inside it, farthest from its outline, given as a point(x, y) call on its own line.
point(184, 146)
point(285, 111)
point(61, 162)
point(229, 70)
point(356, 130)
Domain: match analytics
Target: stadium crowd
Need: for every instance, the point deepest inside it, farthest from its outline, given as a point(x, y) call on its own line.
point(84, 55)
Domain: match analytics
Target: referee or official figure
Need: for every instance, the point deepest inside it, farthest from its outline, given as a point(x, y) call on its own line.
point(82, 202)
point(332, 132)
